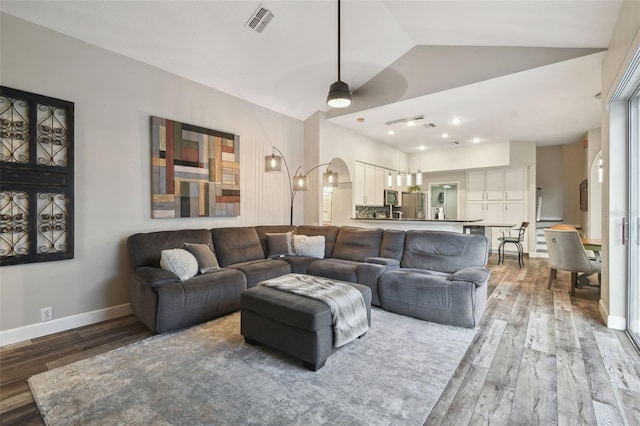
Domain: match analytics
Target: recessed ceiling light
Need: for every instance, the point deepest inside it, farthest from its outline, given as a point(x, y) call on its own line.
point(456, 120)
point(445, 135)
point(391, 132)
point(476, 140)
point(422, 147)
point(411, 123)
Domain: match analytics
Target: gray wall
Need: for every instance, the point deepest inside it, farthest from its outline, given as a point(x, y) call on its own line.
point(549, 177)
point(114, 97)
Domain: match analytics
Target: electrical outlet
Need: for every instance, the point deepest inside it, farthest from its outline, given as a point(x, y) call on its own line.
point(46, 314)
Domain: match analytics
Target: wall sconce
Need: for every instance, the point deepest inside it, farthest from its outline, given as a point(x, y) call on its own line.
point(300, 181)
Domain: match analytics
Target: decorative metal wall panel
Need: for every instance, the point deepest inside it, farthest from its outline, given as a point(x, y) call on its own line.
point(36, 178)
point(195, 172)
point(14, 130)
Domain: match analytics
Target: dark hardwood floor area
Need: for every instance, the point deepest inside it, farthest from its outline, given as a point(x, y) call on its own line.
point(540, 357)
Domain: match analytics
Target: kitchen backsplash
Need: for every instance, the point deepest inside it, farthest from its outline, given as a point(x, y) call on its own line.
point(371, 211)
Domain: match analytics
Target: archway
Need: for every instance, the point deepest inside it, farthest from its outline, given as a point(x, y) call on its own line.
point(337, 202)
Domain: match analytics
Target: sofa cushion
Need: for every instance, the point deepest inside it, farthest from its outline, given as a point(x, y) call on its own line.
point(330, 233)
point(145, 248)
point(236, 245)
point(444, 251)
point(337, 269)
point(203, 253)
point(392, 245)
point(304, 245)
point(357, 243)
point(262, 269)
point(180, 262)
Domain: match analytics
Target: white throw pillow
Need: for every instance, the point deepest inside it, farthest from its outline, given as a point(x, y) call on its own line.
point(304, 245)
point(180, 262)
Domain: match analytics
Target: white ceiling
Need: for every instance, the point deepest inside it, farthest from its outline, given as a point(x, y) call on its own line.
point(289, 67)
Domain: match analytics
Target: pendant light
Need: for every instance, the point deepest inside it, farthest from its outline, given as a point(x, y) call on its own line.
point(339, 93)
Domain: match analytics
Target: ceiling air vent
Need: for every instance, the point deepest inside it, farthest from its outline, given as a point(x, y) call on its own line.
point(260, 19)
point(429, 125)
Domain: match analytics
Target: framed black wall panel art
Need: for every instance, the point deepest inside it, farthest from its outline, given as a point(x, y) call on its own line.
point(36, 177)
point(584, 196)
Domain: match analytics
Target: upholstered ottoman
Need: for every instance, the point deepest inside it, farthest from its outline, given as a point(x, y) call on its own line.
point(296, 325)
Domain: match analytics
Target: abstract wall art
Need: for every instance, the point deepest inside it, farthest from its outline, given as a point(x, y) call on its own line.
point(195, 172)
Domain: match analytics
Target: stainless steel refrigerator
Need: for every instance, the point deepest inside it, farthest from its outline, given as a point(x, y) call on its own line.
point(414, 205)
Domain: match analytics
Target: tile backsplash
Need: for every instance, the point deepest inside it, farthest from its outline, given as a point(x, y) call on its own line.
point(370, 211)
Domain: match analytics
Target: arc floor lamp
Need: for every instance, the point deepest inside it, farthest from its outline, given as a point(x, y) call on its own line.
point(300, 181)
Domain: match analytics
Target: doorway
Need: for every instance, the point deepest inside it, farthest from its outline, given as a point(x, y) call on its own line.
point(444, 200)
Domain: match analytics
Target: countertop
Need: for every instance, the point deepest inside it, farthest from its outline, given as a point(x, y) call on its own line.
point(388, 219)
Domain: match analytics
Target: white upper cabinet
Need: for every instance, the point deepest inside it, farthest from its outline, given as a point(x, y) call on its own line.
point(359, 184)
point(370, 183)
point(475, 186)
point(515, 184)
point(494, 185)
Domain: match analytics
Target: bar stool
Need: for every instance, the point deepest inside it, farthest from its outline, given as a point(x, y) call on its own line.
point(515, 240)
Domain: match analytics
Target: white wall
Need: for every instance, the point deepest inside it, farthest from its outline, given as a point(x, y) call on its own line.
point(339, 142)
point(114, 97)
point(625, 41)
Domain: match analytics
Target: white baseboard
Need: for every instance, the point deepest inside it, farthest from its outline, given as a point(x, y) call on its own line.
point(539, 255)
point(32, 331)
point(612, 321)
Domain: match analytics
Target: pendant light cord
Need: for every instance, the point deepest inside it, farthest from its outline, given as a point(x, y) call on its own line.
point(339, 40)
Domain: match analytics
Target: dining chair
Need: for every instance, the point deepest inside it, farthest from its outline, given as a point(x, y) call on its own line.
point(566, 253)
point(509, 236)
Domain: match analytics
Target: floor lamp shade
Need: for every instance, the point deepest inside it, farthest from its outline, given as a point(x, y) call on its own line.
point(272, 163)
point(300, 183)
point(330, 179)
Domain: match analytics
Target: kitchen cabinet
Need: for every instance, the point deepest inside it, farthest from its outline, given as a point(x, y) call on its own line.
point(497, 196)
point(369, 185)
point(515, 184)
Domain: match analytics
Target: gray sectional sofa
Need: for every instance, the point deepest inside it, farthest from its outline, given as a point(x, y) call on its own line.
point(432, 275)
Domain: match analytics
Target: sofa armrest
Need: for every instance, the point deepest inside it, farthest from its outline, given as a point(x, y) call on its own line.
point(155, 277)
point(474, 274)
point(382, 261)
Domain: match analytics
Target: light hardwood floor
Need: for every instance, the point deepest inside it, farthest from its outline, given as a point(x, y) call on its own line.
point(540, 357)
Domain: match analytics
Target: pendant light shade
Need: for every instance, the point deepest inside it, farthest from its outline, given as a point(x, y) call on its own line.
point(339, 93)
point(419, 177)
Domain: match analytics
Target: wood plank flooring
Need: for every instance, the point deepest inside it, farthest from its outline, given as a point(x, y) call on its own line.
point(540, 357)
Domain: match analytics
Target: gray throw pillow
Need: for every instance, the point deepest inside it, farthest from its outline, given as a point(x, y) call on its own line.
point(280, 244)
point(207, 261)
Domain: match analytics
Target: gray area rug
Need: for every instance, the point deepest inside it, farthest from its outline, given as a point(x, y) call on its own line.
point(207, 375)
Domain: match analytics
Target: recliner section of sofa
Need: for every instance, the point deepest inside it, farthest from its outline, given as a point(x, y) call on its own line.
point(161, 301)
point(436, 276)
point(442, 278)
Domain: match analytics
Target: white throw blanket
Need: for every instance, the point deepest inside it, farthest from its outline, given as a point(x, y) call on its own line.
point(348, 310)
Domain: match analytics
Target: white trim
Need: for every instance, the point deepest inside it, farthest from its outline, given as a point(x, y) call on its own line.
point(617, 323)
point(62, 324)
point(539, 255)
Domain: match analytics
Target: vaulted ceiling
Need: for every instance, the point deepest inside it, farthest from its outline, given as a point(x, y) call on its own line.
point(510, 70)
